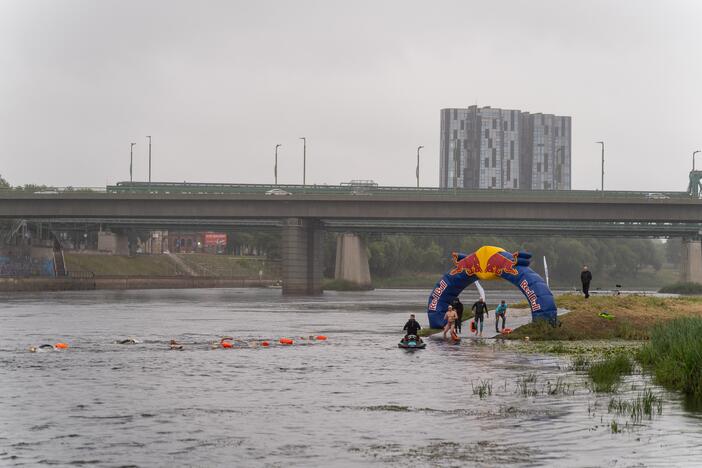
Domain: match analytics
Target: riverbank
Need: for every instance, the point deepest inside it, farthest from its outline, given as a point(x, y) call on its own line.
point(41, 283)
point(630, 317)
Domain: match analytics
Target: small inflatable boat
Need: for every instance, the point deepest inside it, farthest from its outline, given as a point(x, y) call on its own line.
point(412, 342)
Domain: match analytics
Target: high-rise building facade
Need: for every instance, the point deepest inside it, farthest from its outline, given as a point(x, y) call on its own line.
point(504, 149)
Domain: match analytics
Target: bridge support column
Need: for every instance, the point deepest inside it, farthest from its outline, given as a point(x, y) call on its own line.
point(691, 262)
point(352, 260)
point(113, 242)
point(302, 252)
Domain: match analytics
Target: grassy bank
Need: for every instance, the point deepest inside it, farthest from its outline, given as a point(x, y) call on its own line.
point(162, 265)
point(343, 285)
point(634, 317)
point(682, 288)
point(674, 355)
point(122, 265)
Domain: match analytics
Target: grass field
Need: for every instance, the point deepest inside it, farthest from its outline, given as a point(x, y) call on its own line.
point(122, 265)
point(162, 265)
point(634, 317)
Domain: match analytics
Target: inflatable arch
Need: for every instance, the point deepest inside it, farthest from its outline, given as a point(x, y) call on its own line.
point(488, 263)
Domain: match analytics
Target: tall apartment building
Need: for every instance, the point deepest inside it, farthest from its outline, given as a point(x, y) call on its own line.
point(504, 149)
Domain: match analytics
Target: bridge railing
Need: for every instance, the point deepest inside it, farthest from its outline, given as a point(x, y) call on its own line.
point(369, 190)
point(346, 189)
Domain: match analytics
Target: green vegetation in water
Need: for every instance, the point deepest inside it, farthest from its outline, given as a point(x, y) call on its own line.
point(344, 285)
point(645, 404)
point(483, 389)
point(614, 427)
point(674, 355)
point(580, 363)
point(526, 386)
point(607, 373)
point(558, 388)
point(682, 288)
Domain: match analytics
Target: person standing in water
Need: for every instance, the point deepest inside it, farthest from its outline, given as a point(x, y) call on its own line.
point(479, 310)
point(450, 316)
point(585, 278)
point(500, 312)
point(458, 307)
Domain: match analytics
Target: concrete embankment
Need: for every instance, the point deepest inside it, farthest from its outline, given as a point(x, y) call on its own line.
point(126, 282)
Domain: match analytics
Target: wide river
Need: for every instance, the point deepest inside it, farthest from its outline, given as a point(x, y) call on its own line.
point(353, 400)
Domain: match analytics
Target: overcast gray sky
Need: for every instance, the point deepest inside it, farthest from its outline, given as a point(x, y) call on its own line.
point(219, 83)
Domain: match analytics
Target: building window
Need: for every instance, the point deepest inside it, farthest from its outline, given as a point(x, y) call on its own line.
point(455, 134)
point(494, 124)
point(538, 167)
point(511, 149)
point(555, 129)
point(545, 162)
point(487, 162)
point(487, 133)
point(514, 183)
point(494, 182)
point(463, 124)
point(494, 157)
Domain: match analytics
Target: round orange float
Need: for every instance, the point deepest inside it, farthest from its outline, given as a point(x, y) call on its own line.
point(286, 341)
point(61, 346)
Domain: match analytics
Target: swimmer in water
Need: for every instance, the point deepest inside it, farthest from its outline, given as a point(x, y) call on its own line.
point(127, 341)
point(44, 347)
point(174, 345)
point(47, 347)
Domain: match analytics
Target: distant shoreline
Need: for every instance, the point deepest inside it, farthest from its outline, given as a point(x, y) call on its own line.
point(16, 284)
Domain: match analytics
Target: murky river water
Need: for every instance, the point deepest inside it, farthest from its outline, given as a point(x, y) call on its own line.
point(353, 400)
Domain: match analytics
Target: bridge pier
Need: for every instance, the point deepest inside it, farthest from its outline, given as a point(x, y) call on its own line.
point(302, 252)
point(116, 243)
point(691, 262)
point(352, 260)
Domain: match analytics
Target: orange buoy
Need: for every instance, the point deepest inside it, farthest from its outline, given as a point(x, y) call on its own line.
point(506, 331)
point(61, 346)
point(265, 343)
point(320, 337)
point(286, 341)
point(226, 344)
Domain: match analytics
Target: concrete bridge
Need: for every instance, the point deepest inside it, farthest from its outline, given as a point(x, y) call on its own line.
point(304, 213)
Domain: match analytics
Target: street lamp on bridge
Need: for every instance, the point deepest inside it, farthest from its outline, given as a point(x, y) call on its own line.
point(275, 168)
point(304, 159)
point(693, 158)
point(149, 137)
point(418, 148)
point(602, 186)
point(131, 159)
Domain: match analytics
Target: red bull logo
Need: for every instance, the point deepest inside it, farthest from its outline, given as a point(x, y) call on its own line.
point(470, 265)
point(531, 295)
point(498, 264)
point(436, 294)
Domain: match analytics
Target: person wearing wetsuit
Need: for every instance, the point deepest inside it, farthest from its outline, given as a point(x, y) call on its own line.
point(412, 327)
point(479, 310)
point(585, 278)
point(458, 307)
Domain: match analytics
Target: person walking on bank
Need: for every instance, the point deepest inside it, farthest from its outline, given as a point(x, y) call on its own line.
point(585, 278)
point(479, 309)
point(500, 314)
point(458, 307)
